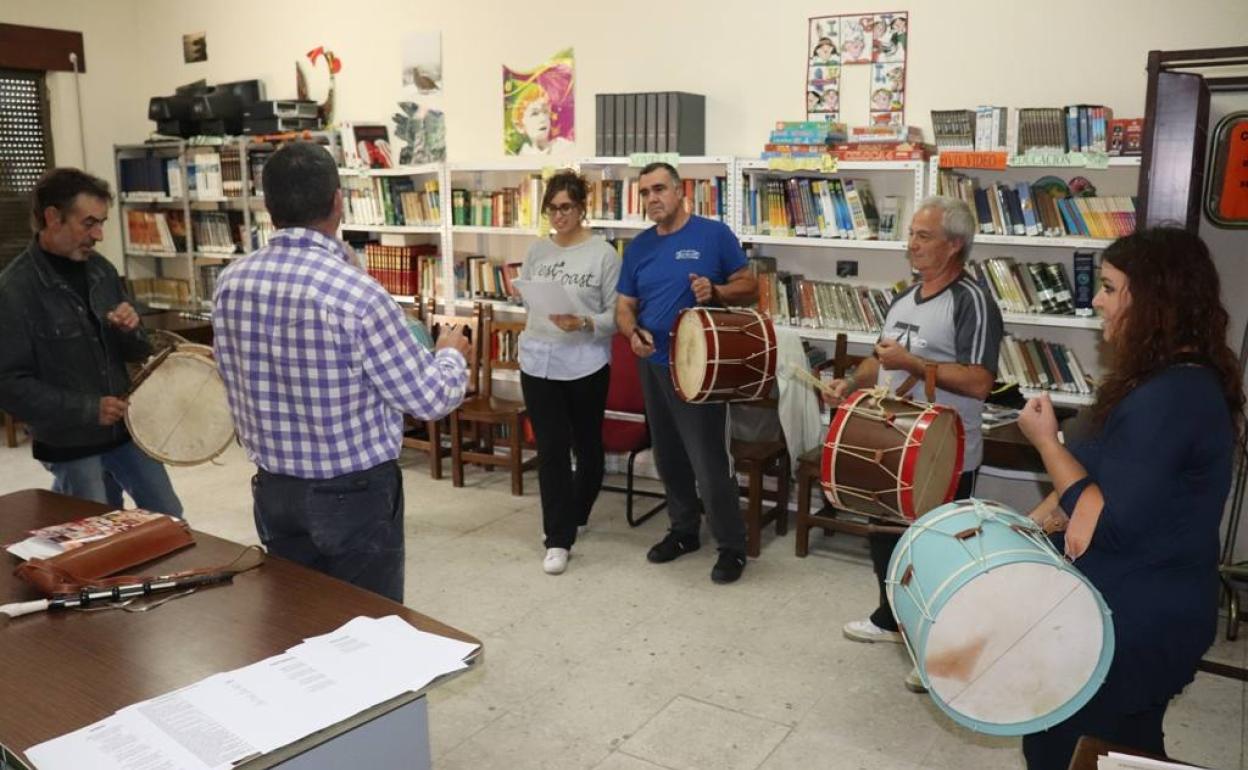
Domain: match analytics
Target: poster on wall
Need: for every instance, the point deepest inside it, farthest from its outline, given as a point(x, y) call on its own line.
point(539, 108)
point(878, 40)
point(419, 123)
point(195, 47)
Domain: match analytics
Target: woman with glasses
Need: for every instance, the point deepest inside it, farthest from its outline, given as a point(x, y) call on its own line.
point(565, 364)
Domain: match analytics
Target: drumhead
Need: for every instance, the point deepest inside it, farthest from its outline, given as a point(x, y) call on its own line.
point(937, 462)
point(689, 362)
point(179, 414)
point(997, 660)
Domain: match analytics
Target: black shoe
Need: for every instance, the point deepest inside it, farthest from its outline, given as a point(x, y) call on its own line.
point(728, 567)
point(673, 546)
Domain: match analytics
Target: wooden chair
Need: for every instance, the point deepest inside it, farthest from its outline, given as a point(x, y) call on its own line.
point(810, 473)
point(431, 442)
point(757, 459)
point(10, 430)
point(485, 412)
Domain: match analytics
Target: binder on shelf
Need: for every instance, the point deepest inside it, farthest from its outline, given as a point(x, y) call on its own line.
point(686, 123)
point(652, 123)
point(620, 130)
point(630, 124)
point(660, 138)
point(600, 125)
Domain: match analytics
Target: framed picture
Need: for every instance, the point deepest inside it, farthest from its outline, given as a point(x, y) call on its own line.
point(1226, 180)
point(366, 145)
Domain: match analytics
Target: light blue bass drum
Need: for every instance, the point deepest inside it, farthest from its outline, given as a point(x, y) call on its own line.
point(1009, 638)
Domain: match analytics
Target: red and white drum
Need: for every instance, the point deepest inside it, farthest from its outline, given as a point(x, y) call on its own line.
point(891, 458)
point(722, 354)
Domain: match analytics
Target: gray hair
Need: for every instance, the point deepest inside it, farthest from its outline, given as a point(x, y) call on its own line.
point(956, 219)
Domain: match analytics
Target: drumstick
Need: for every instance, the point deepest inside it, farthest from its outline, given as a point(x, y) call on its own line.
point(148, 368)
point(792, 372)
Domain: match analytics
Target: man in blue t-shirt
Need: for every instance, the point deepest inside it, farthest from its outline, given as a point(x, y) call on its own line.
point(683, 261)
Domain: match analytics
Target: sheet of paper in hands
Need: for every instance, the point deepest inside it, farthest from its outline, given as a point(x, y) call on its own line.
point(545, 297)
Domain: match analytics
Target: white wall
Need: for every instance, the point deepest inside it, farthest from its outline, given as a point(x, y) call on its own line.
point(746, 56)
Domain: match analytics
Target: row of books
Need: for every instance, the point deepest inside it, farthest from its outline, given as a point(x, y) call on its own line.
point(217, 232)
point(483, 279)
point(204, 175)
point(803, 138)
point(1019, 208)
point(232, 181)
point(1042, 365)
point(399, 269)
point(208, 277)
point(165, 291)
point(390, 200)
point(1029, 287)
point(504, 345)
point(159, 231)
point(509, 207)
point(150, 176)
point(806, 207)
point(792, 299)
point(659, 122)
point(620, 199)
point(1075, 128)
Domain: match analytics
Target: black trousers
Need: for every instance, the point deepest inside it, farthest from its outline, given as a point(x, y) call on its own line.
point(567, 417)
point(1102, 717)
point(882, 551)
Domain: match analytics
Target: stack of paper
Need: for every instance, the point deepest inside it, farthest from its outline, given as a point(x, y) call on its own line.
point(228, 717)
point(1116, 761)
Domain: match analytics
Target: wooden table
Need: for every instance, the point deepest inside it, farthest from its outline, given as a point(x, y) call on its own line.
point(60, 671)
point(192, 326)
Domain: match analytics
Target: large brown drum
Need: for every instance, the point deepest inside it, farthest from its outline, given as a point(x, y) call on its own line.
point(722, 354)
point(178, 411)
point(891, 458)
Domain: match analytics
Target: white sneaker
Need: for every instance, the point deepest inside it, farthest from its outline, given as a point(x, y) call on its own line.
point(866, 631)
point(556, 561)
point(914, 682)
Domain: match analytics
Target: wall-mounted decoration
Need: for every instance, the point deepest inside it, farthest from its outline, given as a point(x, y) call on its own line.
point(195, 47)
point(422, 62)
point(539, 108)
point(878, 40)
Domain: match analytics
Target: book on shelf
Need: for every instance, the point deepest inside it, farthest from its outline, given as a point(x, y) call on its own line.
point(792, 299)
point(1030, 287)
point(392, 201)
point(165, 291)
point(1041, 365)
point(203, 172)
point(398, 268)
point(218, 232)
point(1084, 269)
point(806, 207)
point(486, 279)
point(155, 231)
point(519, 206)
point(992, 129)
point(1126, 137)
point(1027, 210)
point(953, 129)
point(150, 176)
point(997, 416)
point(660, 121)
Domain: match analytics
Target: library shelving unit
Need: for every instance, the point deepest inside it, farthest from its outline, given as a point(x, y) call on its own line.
point(187, 209)
point(1081, 334)
point(873, 263)
point(400, 207)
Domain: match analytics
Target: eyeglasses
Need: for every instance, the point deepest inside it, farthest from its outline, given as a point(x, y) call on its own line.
point(562, 208)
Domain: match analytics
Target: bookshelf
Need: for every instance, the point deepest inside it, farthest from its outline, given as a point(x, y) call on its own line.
point(819, 301)
point(1115, 177)
point(187, 210)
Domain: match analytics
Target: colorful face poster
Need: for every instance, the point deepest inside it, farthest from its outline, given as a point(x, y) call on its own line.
point(538, 108)
point(835, 42)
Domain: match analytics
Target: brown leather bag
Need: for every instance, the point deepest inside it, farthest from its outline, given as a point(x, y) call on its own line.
point(89, 564)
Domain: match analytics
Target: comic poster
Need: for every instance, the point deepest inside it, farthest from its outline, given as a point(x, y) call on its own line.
point(835, 42)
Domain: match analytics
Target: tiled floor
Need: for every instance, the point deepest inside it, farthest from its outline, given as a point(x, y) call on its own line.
point(623, 665)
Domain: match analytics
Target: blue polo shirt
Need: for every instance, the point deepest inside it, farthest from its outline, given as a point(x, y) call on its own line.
point(657, 267)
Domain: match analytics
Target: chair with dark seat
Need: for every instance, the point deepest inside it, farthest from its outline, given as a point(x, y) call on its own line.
point(430, 442)
point(625, 429)
point(758, 459)
point(484, 413)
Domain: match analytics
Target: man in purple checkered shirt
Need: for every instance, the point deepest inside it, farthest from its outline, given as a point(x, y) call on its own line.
point(320, 368)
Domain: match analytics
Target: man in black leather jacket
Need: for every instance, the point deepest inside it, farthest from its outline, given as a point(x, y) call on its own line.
point(68, 330)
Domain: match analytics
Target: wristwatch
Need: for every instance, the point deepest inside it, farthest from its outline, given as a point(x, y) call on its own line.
point(585, 322)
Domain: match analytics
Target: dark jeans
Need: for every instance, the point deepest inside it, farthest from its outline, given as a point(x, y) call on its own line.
point(1100, 717)
point(349, 527)
point(691, 452)
point(567, 416)
point(882, 551)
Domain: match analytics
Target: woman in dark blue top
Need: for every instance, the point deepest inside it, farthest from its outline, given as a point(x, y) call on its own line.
point(1141, 502)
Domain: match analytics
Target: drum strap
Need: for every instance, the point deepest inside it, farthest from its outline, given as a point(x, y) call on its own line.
point(929, 383)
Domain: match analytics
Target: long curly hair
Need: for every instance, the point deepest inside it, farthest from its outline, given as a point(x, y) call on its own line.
point(1175, 314)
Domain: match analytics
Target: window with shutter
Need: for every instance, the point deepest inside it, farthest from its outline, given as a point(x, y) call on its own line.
point(25, 153)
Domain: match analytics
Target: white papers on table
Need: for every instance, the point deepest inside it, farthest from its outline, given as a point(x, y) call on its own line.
point(227, 717)
point(545, 297)
point(1115, 761)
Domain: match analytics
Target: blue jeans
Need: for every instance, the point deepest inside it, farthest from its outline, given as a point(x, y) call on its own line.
point(349, 526)
point(102, 478)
